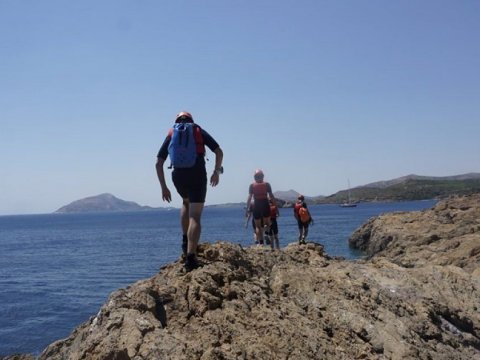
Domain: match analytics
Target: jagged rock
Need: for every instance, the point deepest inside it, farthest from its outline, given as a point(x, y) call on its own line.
point(297, 303)
point(447, 234)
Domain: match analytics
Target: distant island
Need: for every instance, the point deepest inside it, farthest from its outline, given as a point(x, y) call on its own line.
point(102, 203)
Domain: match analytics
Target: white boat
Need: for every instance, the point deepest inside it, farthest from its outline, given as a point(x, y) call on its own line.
point(348, 203)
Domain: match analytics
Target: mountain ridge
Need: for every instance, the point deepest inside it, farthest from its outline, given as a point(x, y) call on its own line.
point(409, 187)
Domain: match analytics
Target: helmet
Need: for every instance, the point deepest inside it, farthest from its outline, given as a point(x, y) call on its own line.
point(184, 117)
point(258, 174)
point(301, 197)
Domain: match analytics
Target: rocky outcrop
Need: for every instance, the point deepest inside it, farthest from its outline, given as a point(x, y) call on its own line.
point(18, 357)
point(447, 234)
point(298, 303)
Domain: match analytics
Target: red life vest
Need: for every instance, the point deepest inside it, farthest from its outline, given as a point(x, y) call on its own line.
point(273, 212)
point(259, 190)
point(197, 135)
point(297, 207)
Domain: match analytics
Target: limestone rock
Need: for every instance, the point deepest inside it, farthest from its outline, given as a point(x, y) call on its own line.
point(447, 234)
point(298, 303)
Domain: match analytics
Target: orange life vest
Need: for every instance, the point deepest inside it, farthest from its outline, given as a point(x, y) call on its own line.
point(259, 191)
point(304, 215)
point(273, 212)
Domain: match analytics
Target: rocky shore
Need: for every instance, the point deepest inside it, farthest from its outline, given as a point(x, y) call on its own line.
point(447, 234)
point(416, 297)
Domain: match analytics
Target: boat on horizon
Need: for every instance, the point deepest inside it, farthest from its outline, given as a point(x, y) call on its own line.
point(349, 203)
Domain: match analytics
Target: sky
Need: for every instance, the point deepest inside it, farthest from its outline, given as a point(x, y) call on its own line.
point(316, 93)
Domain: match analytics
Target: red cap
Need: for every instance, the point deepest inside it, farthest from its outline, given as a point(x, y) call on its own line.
point(184, 116)
point(258, 174)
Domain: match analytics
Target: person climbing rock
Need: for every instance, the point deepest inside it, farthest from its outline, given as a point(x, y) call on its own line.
point(185, 145)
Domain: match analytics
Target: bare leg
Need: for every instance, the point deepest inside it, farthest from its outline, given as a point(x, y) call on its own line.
point(305, 232)
point(259, 230)
point(266, 222)
point(194, 226)
point(184, 216)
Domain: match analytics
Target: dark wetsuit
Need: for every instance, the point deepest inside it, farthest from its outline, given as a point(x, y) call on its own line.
point(273, 220)
point(191, 183)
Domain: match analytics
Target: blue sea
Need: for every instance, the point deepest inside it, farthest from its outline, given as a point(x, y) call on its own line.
point(56, 270)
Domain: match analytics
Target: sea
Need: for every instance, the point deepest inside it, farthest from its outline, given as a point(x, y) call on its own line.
point(56, 270)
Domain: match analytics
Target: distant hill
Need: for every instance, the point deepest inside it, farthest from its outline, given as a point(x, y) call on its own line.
point(292, 195)
point(411, 187)
point(101, 203)
point(388, 183)
point(289, 195)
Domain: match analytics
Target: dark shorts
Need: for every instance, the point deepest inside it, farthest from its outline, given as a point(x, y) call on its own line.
point(191, 183)
point(261, 209)
point(273, 227)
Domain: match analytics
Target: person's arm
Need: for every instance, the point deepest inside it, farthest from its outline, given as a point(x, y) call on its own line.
point(166, 195)
point(249, 199)
point(270, 194)
point(248, 214)
point(215, 178)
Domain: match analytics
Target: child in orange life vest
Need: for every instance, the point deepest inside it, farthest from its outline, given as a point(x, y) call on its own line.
point(273, 233)
point(261, 192)
point(302, 215)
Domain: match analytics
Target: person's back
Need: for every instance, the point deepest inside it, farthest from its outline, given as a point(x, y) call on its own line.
point(260, 192)
point(189, 177)
point(304, 214)
point(299, 210)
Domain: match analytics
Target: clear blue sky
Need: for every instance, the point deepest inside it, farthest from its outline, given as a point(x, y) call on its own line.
point(313, 92)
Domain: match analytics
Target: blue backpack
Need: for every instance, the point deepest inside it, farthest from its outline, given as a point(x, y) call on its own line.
point(183, 148)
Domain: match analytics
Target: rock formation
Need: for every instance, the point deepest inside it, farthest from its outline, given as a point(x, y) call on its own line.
point(448, 234)
point(299, 303)
point(292, 304)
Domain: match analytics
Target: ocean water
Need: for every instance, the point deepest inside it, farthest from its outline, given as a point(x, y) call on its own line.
point(56, 270)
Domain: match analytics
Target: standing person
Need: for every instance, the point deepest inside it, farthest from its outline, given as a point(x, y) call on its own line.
point(248, 216)
point(302, 215)
point(189, 176)
point(261, 192)
point(273, 233)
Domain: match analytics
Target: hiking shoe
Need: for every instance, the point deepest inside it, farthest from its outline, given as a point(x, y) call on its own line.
point(191, 262)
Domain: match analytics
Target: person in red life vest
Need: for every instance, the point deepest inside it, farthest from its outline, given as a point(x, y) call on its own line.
point(190, 182)
point(261, 192)
point(273, 233)
point(302, 215)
